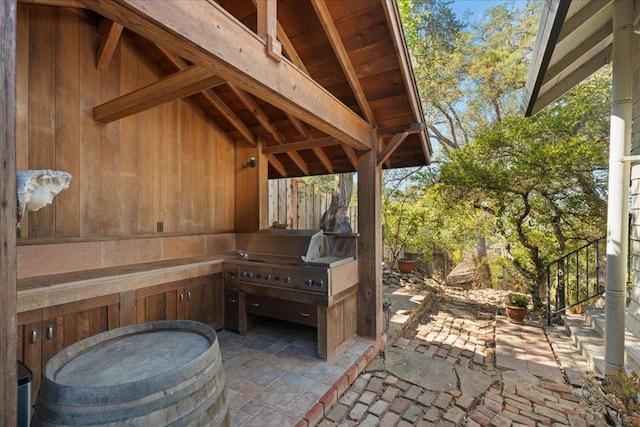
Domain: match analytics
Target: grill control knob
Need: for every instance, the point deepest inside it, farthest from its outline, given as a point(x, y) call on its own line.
point(276, 277)
point(308, 282)
point(258, 275)
point(249, 274)
point(267, 277)
point(287, 279)
point(243, 273)
point(319, 283)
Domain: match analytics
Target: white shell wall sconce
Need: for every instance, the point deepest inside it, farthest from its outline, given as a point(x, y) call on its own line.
point(37, 188)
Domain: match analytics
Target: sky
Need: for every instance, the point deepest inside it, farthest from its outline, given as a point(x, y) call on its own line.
point(475, 6)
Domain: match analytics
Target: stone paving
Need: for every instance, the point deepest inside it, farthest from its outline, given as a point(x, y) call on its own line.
point(443, 372)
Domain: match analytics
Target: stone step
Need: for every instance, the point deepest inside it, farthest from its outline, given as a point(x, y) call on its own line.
point(594, 317)
point(587, 341)
point(586, 333)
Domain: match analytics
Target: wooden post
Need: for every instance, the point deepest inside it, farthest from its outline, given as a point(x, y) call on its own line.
point(370, 322)
point(252, 188)
point(267, 11)
point(8, 296)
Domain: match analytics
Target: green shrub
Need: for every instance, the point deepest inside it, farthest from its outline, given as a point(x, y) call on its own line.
point(518, 300)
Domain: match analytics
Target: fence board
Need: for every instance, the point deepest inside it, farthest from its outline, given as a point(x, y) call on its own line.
point(299, 205)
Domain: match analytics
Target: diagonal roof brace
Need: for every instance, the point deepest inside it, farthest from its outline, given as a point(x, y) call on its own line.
point(206, 34)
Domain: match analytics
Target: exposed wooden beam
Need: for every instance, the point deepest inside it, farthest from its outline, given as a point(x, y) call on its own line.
point(287, 45)
point(301, 145)
point(213, 98)
point(410, 128)
point(317, 151)
point(176, 86)
point(206, 34)
point(391, 146)
point(111, 32)
point(267, 27)
point(264, 120)
point(343, 58)
point(61, 3)
point(277, 165)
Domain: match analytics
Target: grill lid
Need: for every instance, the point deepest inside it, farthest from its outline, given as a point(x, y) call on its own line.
point(284, 246)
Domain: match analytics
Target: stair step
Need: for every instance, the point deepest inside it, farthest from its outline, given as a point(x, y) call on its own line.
point(586, 334)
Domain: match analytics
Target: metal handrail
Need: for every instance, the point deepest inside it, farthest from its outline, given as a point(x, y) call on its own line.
point(580, 271)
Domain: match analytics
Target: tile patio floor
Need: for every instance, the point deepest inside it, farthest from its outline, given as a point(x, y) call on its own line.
point(274, 376)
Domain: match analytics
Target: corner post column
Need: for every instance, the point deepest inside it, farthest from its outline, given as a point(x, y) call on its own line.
point(8, 266)
point(370, 323)
point(619, 181)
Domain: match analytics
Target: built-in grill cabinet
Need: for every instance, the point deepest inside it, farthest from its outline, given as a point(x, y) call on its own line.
point(302, 276)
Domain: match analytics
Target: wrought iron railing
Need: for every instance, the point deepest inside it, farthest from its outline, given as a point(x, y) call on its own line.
point(576, 278)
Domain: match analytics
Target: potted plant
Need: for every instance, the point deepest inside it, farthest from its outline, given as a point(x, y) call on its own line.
point(517, 307)
point(405, 265)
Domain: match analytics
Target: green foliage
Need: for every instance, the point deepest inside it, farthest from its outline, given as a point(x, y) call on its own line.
point(625, 388)
point(541, 178)
point(387, 302)
point(518, 300)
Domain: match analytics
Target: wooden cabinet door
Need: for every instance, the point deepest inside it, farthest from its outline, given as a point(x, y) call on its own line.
point(199, 299)
point(162, 302)
point(43, 333)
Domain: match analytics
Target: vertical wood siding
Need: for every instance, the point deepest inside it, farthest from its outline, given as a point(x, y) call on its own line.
point(171, 163)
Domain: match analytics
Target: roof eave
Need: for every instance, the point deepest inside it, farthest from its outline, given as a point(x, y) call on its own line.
point(551, 21)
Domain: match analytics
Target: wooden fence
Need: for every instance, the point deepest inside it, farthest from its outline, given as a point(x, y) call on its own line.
point(298, 205)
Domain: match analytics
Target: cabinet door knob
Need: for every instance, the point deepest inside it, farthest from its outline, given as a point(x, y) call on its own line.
point(189, 296)
point(255, 304)
point(232, 301)
point(34, 337)
point(49, 332)
point(304, 314)
point(181, 297)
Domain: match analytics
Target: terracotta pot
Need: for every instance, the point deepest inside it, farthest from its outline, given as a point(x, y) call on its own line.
point(516, 314)
point(405, 265)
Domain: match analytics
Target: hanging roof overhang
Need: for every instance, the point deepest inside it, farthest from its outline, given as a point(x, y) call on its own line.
point(574, 40)
point(310, 94)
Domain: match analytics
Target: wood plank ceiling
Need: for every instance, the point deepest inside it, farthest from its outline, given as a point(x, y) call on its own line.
point(353, 49)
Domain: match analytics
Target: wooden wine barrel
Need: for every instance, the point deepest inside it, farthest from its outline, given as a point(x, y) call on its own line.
point(166, 373)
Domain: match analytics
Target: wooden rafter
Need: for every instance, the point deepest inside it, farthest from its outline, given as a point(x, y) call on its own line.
point(264, 120)
point(343, 58)
point(176, 86)
point(351, 155)
point(391, 146)
point(277, 165)
point(290, 50)
point(213, 98)
point(327, 141)
point(111, 32)
point(301, 127)
point(181, 27)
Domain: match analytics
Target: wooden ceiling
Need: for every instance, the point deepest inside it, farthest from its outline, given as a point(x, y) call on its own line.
point(345, 58)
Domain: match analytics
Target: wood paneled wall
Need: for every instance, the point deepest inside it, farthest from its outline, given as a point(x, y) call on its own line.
point(171, 164)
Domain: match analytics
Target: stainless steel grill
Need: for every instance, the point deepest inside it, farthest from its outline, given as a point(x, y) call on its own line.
point(289, 259)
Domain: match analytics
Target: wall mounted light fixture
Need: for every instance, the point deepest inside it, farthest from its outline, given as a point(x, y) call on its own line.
point(251, 163)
